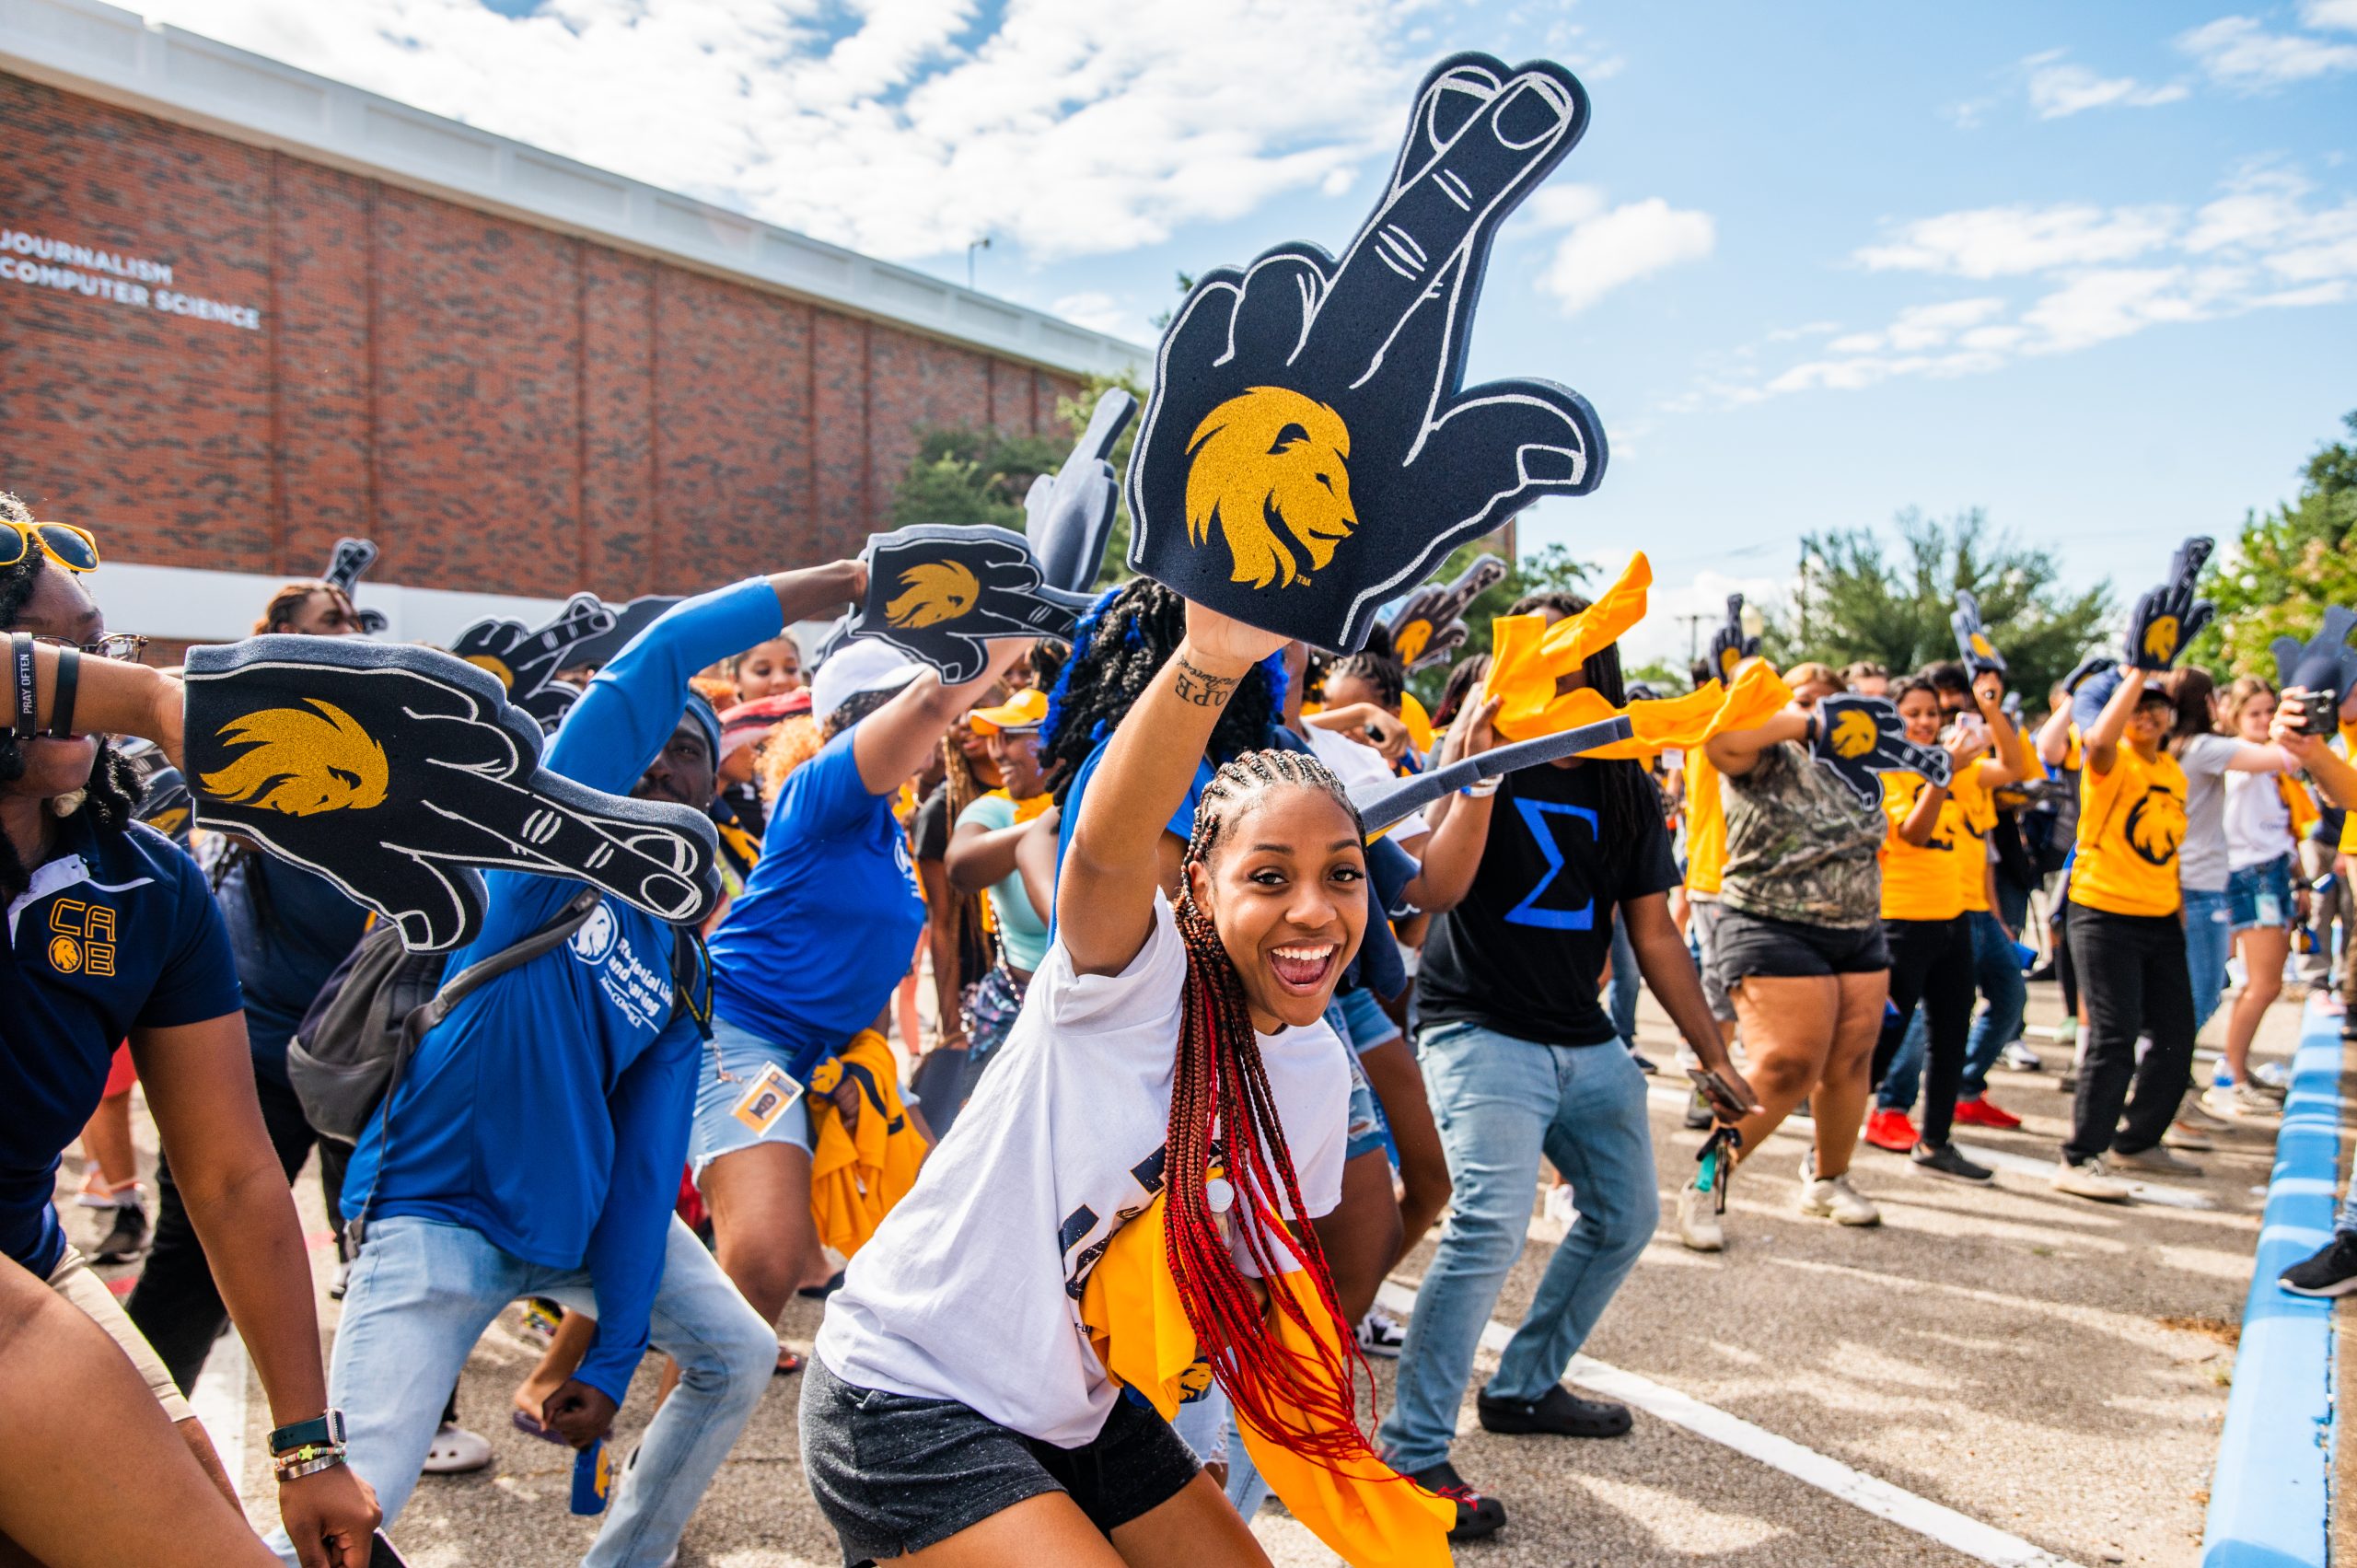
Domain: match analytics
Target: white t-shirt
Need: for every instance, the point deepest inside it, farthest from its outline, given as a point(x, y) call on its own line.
point(971, 1289)
point(2258, 824)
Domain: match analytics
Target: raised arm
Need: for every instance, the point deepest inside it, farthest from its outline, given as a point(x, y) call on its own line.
point(2099, 744)
point(1737, 752)
point(2331, 772)
point(2055, 737)
point(1105, 892)
point(2010, 759)
point(899, 739)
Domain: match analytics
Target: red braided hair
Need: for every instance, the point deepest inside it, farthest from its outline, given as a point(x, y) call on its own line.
point(1220, 1089)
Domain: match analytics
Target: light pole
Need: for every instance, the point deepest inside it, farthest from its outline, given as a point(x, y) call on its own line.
point(981, 244)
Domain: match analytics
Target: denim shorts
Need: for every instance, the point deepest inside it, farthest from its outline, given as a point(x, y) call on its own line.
point(1749, 945)
point(2260, 895)
point(1366, 1129)
point(731, 1060)
point(896, 1474)
point(1365, 1024)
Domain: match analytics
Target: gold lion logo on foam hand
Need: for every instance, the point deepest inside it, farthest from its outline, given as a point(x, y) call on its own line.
point(1980, 645)
point(496, 666)
point(1855, 734)
point(2160, 638)
point(1266, 457)
point(302, 763)
point(1408, 643)
point(2155, 827)
point(937, 591)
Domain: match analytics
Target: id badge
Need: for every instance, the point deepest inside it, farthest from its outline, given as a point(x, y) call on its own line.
point(2271, 911)
point(770, 1096)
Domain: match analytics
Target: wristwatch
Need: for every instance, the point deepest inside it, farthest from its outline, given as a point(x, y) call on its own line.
point(321, 1430)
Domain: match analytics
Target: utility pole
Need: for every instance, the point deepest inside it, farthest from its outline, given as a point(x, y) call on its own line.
point(1695, 634)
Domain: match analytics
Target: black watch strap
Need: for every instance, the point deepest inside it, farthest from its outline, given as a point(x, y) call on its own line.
point(69, 677)
point(328, 1428)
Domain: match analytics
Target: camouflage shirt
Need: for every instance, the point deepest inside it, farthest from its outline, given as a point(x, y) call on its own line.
point(1800, 846)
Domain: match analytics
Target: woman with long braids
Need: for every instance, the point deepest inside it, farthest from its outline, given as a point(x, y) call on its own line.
point(955, 1413)
point(112, 932)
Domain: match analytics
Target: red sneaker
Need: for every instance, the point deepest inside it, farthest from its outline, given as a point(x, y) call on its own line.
point(1891, 1130)
point(1980, 1113)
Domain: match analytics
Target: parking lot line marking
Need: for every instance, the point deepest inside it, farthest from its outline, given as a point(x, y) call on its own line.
point(1936, 1521)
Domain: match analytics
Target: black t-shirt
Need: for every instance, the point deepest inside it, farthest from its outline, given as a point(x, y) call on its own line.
point(1522, 955)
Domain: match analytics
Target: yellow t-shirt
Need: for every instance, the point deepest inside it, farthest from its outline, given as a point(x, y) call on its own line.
point(1976, 813)
point(2131, 821)
point(1919, 881)
point(1706, 825)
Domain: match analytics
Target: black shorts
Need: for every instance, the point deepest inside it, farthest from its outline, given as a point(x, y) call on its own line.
point(896, 1474)
point(1748, 945)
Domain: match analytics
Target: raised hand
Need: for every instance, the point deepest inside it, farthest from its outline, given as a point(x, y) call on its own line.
point(2323, 668)
point(1068, 514)
point(527, 659)
point(937, 593)
point(1308, 449)
point(1981, 655)
point(1729, 645)
point(351, 561)
point(400, 772)
point(1429, 624)
point(2168, 617)
point(1862, 738)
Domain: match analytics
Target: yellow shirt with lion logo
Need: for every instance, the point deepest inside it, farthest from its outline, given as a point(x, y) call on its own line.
point(2131, 821)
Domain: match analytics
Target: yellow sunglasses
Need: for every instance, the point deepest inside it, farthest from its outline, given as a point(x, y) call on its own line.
point(70, 547)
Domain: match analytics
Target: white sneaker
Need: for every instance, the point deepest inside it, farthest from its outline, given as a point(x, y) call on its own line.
point(2020, 1058)
point(2240, 1102)
point(455, 1451)
point(1832, 1198)
point(1697, 1220)
point(2089, 1181)
point(1380, 1334)
point(2190, 1113)
point(2272, 1076)
point(1558, 1206)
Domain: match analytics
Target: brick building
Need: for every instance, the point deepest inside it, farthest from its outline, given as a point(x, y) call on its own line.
point(245, 310)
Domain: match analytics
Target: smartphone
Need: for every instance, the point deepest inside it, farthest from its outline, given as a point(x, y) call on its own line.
point(2318, 712)
point(1715, 1090)
point(381, 1553)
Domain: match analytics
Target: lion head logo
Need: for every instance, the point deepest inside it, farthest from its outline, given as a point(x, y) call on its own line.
point(935, 591)
point(1267, 458)
point(1855, 734)
point(496, 666)
point(1408, 643)
point(302, 762)
point(1980, 645)
point(2155, 827)
point(2160, 638)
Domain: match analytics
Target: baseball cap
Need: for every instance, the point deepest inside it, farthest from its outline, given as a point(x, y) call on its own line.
point(858, 666)
point(1027, 710)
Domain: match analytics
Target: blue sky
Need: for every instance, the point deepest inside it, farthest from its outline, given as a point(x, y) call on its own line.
point(2092, 268)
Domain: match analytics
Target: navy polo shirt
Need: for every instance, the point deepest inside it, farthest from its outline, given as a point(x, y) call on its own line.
point(118, 931)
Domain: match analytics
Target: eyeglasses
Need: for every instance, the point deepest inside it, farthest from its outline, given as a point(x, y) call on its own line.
point(70, 547)
point(122, 646)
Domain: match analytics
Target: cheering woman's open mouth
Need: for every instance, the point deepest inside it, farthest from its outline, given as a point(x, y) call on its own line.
point(1302, 967)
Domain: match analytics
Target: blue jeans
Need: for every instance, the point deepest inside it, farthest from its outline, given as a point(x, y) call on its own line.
point(1626, 979)
point(1500, 1103)
point(2209, 943)
point(422, 1294)
point(1997, 973)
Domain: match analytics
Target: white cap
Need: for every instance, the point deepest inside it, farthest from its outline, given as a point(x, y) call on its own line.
point(858, 666)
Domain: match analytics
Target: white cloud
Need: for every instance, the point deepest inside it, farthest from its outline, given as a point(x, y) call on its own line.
point(1100, 312)
point(2238, 51)
point(2088, 275)
point(1069, 127)
point(1606, 249)
point(1991, 242)
point(2058, 87)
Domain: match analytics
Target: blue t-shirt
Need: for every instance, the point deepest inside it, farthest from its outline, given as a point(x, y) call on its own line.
point(117, 932)
point(825, 926)
point(289, 928)
point(550, 1111)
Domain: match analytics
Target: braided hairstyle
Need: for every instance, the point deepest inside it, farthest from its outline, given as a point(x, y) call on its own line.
point(1116, 652)
point(1385, 674)
point(112, 794)
point(1224, 1114)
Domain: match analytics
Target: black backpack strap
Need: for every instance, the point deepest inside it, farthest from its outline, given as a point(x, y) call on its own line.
point(455, 989)
point(691, 978)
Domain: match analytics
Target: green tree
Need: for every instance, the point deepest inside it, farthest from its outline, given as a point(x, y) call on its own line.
point(1074, 412)
point(963, 477)
point(2286, 566)
point(1860, 599)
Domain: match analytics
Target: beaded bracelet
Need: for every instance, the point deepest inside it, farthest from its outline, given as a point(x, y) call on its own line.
point(309, 1459)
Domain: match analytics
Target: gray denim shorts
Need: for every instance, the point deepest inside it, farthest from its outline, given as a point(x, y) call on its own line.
point(896, 1474)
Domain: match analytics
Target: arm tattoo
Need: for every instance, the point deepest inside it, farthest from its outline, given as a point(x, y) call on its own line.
point(1204, 690)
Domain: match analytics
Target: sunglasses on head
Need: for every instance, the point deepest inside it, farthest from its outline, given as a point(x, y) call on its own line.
point(70, 547)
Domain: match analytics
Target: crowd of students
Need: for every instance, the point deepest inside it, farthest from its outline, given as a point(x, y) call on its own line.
point(1205, 1062)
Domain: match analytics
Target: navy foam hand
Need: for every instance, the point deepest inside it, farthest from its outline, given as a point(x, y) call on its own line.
point(2086, 669)
point(1863, 738)
point(526, 660)
point(1309, 448)
point(939, 592)
point(1729, 645)
point(352, 559)
point(1429, 624)
point(400, 773)
point(2325, 666)
point(2168, 617)
point(1068, 514)
point(1972, 644)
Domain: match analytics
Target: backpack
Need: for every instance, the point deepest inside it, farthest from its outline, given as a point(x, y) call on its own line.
point(361, 1028)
